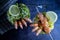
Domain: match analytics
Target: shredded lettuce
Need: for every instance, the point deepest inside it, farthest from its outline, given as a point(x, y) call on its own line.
point(24, 12)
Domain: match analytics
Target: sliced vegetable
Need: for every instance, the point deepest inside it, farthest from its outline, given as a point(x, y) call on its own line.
point(52, 16)
point(14, 10)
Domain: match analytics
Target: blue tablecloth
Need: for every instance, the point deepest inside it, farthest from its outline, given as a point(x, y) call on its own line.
point(26, 34)
point(52, 5)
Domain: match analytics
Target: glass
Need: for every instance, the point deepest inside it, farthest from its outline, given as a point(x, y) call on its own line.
point(42, 8)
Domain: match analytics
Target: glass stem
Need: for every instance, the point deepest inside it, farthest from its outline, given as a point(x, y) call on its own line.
point(37, 10)
point(50, 36)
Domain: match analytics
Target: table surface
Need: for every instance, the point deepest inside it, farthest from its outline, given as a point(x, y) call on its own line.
point(26, 34)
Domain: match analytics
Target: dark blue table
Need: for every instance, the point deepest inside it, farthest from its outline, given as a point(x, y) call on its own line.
point(52, 5)
point(26, 34)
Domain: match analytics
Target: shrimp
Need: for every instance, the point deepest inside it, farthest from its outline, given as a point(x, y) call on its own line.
point(42, 24)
